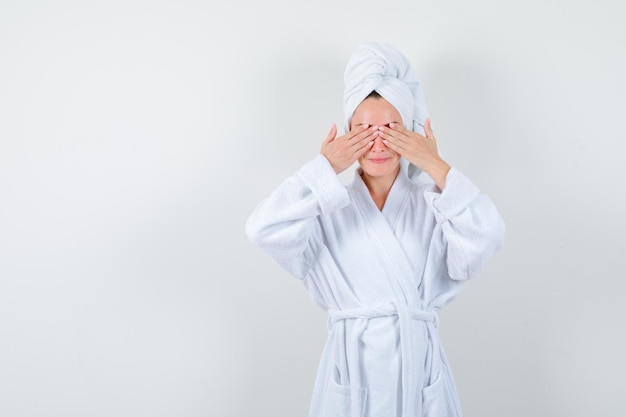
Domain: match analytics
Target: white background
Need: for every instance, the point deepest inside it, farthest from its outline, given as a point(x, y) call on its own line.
point(137, 136)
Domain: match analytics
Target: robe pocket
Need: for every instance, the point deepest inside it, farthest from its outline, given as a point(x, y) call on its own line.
point(437, 400)
point(338, 400)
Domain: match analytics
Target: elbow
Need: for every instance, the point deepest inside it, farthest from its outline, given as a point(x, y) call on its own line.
point(498, 233)
point(493, 241)
point(471, 257)
point(253, 230)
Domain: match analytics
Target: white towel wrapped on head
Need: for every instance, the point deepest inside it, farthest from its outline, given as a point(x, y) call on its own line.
point(379, 67)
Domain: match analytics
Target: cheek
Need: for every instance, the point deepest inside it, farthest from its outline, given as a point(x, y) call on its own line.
point(394, 153)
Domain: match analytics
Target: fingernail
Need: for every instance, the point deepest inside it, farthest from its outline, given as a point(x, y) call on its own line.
point(392, 125)
point(365, 126)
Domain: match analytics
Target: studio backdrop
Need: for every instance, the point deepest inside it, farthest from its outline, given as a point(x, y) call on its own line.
point(137, 136)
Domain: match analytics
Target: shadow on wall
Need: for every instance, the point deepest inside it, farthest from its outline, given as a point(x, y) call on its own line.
point(291, 102)
point(299, 96)
point(471, 111)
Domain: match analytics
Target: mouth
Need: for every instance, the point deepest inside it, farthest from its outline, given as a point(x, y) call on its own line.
point(378, 160)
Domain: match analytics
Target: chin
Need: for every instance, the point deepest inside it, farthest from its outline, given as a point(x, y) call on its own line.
point(380, 170)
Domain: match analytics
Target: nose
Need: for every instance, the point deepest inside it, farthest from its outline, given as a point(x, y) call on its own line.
point(378, 145)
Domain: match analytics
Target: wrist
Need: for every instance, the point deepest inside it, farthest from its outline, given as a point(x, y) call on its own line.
point(335, 168)
point(438, 171)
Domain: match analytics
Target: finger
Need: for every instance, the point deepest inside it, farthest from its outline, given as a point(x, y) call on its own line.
point(394, 136)
point(397, 130)
point(358, 131)
point(360, 139)
point(363, 149)
point(394, 146)
point(399, 127)
point(331, 135)
point(364, 139)
point(428, 129)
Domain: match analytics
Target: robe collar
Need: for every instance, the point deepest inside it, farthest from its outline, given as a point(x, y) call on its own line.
point(383, 225)
point(396, 199)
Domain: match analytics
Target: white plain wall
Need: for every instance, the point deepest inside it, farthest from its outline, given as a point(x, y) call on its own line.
point(137, 136)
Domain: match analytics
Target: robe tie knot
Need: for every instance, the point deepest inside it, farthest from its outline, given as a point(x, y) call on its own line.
point(385, 310)
point(411, 381)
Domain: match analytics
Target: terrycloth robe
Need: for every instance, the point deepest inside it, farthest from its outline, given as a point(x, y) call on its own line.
point(381, 276)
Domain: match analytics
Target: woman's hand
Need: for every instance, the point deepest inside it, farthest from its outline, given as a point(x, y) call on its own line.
point(420, 150)
point(344, 150)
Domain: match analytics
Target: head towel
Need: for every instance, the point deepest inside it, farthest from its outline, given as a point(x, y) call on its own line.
point(379, 67)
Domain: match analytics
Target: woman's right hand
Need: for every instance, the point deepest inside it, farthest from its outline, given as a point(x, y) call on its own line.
point(344, 150)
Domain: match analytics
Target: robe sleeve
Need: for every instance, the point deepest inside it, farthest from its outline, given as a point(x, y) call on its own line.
point(471, 229)
point(285, 224)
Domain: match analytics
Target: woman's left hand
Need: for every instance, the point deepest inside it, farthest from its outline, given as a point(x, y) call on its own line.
point(420, 150)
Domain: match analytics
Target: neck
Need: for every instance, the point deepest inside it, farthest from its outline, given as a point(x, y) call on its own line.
point(379, 186)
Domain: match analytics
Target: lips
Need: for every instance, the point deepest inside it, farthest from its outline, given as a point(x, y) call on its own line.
point(378, 160)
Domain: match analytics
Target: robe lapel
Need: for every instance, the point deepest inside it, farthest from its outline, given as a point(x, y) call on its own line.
point(398, 196)
point(382, 223)
point(401, 275)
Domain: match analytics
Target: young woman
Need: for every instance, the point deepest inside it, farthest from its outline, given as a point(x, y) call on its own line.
point(383, 254)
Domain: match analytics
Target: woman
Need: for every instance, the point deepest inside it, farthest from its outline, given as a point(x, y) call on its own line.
point(383, 254)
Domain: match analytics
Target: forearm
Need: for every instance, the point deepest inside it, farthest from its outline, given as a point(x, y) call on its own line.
point(285, 223)
point(438, 170)
point(470, 225)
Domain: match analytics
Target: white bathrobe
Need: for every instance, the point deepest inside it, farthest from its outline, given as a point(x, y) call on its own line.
point(381, 276)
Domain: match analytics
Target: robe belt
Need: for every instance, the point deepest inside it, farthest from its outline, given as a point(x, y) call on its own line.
point(412, 373)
